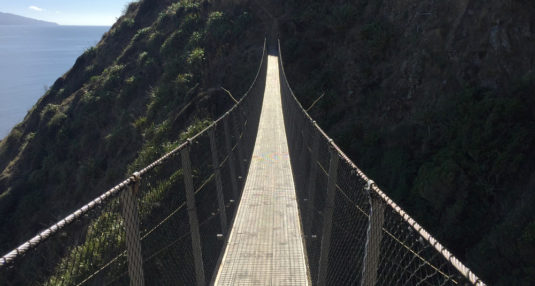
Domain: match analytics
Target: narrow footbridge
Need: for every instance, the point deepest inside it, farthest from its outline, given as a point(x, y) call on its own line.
point(260, 197)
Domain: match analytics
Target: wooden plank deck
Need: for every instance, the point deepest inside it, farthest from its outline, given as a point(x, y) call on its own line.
point(265, 246)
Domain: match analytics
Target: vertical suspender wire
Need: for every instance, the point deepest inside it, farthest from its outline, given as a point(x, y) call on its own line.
point(327, 218)
point(193, 219)
point(218, 182)
point(133, 244)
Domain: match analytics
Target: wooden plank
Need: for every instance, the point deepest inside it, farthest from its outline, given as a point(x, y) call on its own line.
point(265, 246)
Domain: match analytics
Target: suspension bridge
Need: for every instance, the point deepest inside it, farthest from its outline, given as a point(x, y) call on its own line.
point(262, 196)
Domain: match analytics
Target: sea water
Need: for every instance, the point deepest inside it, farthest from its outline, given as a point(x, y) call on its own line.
point(31, 59)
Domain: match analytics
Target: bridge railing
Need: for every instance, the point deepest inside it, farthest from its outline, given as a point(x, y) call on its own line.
point(354, 233)
point(166, 224)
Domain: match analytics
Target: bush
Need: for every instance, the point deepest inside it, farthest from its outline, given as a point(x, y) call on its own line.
point(195, 57)
point(52, 115)
point(90, 53)
point(57, 119)
point(112, 76)
point(196, 39)
point(141, 33)
point(126, 25)
point(197, 126)
point(169, 46)
point(191, 23)
point(218, 27)
point(190, 6)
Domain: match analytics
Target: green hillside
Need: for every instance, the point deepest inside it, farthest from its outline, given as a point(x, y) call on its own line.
point(158, 71)
point(433, 100)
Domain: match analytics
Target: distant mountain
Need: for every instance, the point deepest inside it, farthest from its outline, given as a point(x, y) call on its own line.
point(11, 19)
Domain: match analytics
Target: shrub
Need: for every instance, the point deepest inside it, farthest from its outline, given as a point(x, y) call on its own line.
point(217, 26)
point(154, 42)
point(191, 23)
point(196, 39)
point(167, 15)
point(57, 119)
point(112, 76)
point(141, 33)
point(126, 25)
point(130, 7)
point(52, 115)
point(190, 5)
point(197, 126)
point(183, 79)
point(142, 58)
point(169, 47)
point(90, 53)
point(195, 57)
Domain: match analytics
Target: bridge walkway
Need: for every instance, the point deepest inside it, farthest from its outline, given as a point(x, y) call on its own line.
point(265, 246)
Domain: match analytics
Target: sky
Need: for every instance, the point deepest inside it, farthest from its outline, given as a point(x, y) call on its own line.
point(68, 12)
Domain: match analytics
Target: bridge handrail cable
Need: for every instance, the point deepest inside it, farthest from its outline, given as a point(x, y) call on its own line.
point(372, 186)
point(235, 115)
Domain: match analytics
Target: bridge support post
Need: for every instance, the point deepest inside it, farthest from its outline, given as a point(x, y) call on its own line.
point(327, 218)
point(192, 214)
point(301, 159)
point(218, 183)
point(133, 243)
point(239, 154)
point(232, 165)
point(373, 239)
point(311, 184)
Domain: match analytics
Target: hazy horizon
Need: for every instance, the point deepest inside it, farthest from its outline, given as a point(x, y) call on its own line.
point(68, 13)
point(64, 25)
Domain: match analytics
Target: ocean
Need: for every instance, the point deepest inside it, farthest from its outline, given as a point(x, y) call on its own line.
point(31, 59)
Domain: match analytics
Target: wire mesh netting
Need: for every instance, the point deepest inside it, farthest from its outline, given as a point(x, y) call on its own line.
point(89, 250)
point(361, 237)
point(208, 210)
point(164, 230)
point(348, 240)
point(167, 223)
point(143, 230)
point(407, 258)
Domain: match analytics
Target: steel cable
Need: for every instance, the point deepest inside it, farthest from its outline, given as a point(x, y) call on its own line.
point(372, 240)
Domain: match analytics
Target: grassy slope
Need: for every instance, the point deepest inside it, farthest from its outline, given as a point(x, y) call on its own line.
point(124, 102)
point(435, 102)
point(432, 99)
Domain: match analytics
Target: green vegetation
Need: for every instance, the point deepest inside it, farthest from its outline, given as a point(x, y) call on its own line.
point(144, 89)
point(428, 115)
point(415, 95)
point(104, 241)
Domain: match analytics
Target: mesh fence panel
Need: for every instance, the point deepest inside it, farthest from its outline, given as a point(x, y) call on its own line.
point(224, 158)
point(368, 243)
point(315, 207)
point(165, 233)
point(207, 204)
point(87, 250)
point(409, 259)
point(348, 240)
point(139, 232)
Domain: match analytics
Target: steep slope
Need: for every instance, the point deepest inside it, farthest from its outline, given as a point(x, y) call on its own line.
point(434, 100)
point(156, 74)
